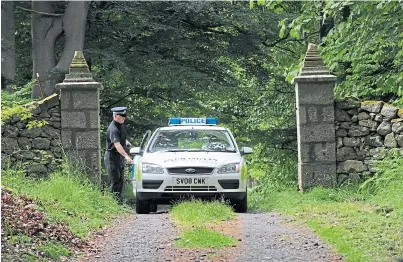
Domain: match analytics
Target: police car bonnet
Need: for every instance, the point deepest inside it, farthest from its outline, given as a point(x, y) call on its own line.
point(120, 110)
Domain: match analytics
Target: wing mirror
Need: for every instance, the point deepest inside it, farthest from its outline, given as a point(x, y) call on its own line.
point(246, 150)
point(136, 151)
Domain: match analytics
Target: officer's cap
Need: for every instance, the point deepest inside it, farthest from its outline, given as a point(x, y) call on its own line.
point(120, 110)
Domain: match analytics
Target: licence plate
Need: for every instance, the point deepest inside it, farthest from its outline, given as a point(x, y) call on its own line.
point(190, 180)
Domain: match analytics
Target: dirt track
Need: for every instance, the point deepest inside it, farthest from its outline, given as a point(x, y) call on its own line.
point(261, 237)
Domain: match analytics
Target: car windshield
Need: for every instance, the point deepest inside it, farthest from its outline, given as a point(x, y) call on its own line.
point(192, 140)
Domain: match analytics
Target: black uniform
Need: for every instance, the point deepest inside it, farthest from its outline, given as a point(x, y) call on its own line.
point(114, 161)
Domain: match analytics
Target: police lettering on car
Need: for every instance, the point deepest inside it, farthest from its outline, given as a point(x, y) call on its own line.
point(190, 157)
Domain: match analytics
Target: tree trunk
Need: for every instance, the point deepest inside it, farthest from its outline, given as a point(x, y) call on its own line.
point(7, 44)
point(46, 29)
point(74, 21)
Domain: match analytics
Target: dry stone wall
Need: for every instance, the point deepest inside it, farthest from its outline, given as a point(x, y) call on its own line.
point(73, 128)
point(365, 132)
point(37, 150)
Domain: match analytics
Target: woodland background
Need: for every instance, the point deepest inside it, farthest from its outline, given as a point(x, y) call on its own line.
point(233, 60)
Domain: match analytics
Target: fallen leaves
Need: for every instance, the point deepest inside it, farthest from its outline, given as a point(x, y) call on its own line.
point(21, 219)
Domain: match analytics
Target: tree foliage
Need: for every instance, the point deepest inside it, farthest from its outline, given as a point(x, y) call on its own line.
point(17, 103)
point(365, 49)
point(361, 43)
point(184, 59)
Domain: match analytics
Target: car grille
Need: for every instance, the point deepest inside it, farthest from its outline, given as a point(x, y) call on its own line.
point(190, 188)
point(190, 170)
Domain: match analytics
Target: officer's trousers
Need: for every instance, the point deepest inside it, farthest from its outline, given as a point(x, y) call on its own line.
point(114, 163)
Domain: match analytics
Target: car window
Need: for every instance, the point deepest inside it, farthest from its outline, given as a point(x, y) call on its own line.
point(192, 140)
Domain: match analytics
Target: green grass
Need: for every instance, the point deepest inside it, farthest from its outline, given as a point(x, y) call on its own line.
point(363, 222)
point(127, 191)
point(195, 216)
point(30, 257)
point(54, 250)
point(67, 197)
point(20, 239)
point(204, 238)
point(196, 211)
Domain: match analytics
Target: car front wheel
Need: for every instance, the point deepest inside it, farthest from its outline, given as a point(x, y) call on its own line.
point(241, 205)
point(153, 207)
point(142, 207)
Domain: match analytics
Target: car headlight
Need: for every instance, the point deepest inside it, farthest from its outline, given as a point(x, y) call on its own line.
point(152, 168)
point(229, 168)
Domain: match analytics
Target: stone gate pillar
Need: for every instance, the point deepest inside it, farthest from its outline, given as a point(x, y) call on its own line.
point(79, 106)
point(315, 123)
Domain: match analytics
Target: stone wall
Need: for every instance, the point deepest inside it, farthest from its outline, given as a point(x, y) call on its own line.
point(38, 149)
point(339, 141)
point(365, 132)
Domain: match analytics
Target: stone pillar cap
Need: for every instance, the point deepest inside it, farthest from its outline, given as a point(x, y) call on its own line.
point(79, 71)
point(79, 64)
point(313, 64)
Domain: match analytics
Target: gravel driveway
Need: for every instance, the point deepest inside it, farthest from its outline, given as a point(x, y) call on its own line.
point(135, 238)
point(261, 237)
point(272, 237)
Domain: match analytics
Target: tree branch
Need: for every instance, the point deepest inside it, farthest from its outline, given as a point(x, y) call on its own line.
point(282, 92)
point(202, 27)
point(288, 50)
point(277, 41)
point(38, 12)
point(274, 44)
point(133, 92)
point(119, 99)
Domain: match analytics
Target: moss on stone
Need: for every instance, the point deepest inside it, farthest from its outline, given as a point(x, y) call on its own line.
point(396, 120)
point(370, 102)
point(389, 105)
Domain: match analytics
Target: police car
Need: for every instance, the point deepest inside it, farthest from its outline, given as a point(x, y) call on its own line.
point(190, 157)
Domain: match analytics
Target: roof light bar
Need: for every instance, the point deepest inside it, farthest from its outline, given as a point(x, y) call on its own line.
point(192, 121)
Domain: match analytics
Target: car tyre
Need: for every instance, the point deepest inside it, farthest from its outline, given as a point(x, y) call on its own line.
point(153, 207)
point(142, 207)
point(241, 205)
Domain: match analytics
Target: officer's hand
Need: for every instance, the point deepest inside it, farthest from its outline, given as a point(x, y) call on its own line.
point(128, 159)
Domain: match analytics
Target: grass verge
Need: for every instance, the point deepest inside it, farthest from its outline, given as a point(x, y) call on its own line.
point(204, 238)
point(363, 222)
point(196, 212)
point(54, 250)
point(195, 217)
point(66, 198)
point(56, 214)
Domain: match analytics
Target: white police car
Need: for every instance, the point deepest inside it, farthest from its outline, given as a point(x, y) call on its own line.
point(190, 157)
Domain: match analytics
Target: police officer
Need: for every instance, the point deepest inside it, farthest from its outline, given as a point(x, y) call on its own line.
point(115, 151)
